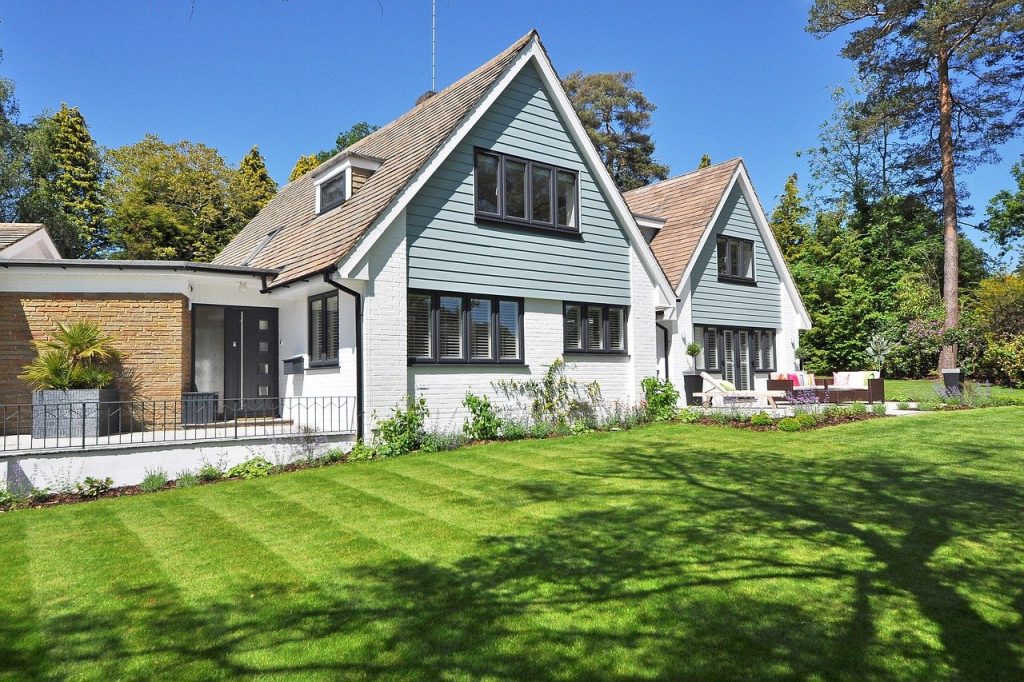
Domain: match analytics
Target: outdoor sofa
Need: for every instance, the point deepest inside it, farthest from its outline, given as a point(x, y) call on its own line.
point(841, 387)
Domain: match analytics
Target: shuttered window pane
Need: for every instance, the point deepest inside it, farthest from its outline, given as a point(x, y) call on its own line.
point(729, 357)
point(316, 330)
point(616, 329)
point(515, 189)
point(332, 192)
point(711, 348)
point(755, 350)
point(508, 330)
point(331, 329)
point(595, 337)
point(743, 380)
point(487, 183)
point(480, 329)
point(768, 350)
point(573, 327)
point(566, 199)
point(450, 327)
point(419, 326)
point(540, 198)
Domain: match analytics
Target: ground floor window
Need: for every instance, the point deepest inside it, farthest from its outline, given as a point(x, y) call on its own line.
point(464, 328)
point(593, 328)
point(323, 330)
point(735, 352)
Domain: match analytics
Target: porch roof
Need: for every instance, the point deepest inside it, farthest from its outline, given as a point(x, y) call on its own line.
point(170, 265)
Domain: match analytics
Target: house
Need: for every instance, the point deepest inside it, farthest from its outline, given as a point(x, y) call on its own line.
point(735, 297)
point(476, 238)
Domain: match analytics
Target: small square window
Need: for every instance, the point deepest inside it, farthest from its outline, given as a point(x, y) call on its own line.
point(264, 346)
point(264, 367)
point(263, 391)
point(264, 325)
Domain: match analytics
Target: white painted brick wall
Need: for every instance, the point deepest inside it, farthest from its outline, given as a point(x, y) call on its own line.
point(643, 340)
point(788, 338)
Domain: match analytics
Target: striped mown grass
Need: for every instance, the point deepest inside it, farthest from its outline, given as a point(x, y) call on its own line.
point(892, 548)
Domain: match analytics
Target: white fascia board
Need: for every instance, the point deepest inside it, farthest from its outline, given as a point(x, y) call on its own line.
point(39, 240)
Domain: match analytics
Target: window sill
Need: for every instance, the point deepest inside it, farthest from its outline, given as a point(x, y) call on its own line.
point(463, 363)
point(323, 365)
point(494, 221)
point(598, 353)
point(737, 280)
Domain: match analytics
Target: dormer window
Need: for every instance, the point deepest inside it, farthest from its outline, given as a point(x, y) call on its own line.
point(332, 192)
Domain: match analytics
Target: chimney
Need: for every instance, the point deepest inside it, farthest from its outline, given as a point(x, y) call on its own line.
point(425, 96)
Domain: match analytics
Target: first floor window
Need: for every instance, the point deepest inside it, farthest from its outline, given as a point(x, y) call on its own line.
point(517, 190)
point(593, 328)
point(735, 259)
point(735, 353)
point(332, 192)
point(323, 330)
point(456, 328)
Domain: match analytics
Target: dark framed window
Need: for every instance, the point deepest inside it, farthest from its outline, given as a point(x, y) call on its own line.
point(735, 352)
point(455, 328)
point(594, 328)
point(332, 192)
point(736, 260)
point(323, 330)
point(523, 192)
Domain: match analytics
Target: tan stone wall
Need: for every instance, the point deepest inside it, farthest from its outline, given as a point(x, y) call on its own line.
point(153, 331)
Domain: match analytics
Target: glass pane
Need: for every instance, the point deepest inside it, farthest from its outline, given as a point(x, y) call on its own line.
point(332, 192)
point(419, 326)
point(316, 329)
point(767, 350)
point(711, 348)
point(264, 346)
point(566, 199)
point(515, 189)
point(486, 183)
point(264, 325)
point(263, 391)
point(573, 324)
point(540, 194)
point(263, 368)
point(744, 353)
point(508, 330)
point(734, 259)
point(746, 260)
point(331, 341)
point(755, 349)
point(729, 359)
point(616, 329)
point(723, 260)
point(595, 337)
point(698, 338)
point(480, 329)
point(450, 320)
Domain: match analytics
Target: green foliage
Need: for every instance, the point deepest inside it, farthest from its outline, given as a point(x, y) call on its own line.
point(903, 405)
point(806, 420)
point(303, 165)
point(361, 452)
point(14, 157)
point(254, 467)
point(186, 479)
point(512, 429)
point(617, 116)
point(541, 429)
point(442, 441)
point(762, 419)
point(345, 139)
point(64, 183)
point(789, 424)
point(154, 480)
point(78, 356)
point(878, 409)
point(210, 472)
point(693, 349)
point(334, 455)
point(1005, 223)
point(554, 398)
point(403, 431)
point(484, 423)
point(789, 220)
point(660, 397)
point(688, 416)
point(705, 161)
point(94, 487)
point(251, 187)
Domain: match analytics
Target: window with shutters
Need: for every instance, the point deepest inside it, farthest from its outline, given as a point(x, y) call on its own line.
point(594, 328)
point(454, 328)
point(735, 351)
point(523, 192)
point(323, 330)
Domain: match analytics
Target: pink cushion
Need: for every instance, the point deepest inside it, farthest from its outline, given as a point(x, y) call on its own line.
point(794, 378)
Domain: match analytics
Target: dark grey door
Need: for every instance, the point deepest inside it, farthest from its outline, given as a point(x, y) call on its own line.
point(250, 362)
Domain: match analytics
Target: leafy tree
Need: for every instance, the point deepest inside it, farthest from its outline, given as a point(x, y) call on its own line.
point(170, 201)
point(13, 152)
point(303, 166)
point(953, 69)
point(705, 162)
point(65, 183)
point(252, 187)
point(1005, 224)
point(616, 116)
point(788, 220)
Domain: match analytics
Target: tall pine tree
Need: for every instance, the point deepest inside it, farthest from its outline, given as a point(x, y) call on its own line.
point(251, 186)
point(788, 221)
point(303, 166)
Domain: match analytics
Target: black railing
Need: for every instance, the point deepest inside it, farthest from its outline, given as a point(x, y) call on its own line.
point(83, 424)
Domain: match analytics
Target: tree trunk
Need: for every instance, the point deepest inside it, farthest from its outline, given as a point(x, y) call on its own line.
point(951, 264)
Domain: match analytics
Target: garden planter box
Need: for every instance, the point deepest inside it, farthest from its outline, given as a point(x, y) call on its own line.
point(692, 383)
point(78, 413)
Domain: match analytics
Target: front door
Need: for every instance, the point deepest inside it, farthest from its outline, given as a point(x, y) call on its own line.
point(250, 362)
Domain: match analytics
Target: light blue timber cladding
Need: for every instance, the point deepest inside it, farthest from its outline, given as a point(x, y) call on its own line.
point(728, 303)
point(450, 251)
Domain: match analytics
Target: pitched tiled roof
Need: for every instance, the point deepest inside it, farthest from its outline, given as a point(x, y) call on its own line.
point(687, 203)
point(15, 232)
point(308, 243)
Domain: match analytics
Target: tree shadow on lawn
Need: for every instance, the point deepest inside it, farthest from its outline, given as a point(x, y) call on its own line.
point(672, 563)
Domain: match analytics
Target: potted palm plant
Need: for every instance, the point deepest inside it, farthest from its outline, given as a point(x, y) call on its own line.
point(692, 380)
point(73, 383)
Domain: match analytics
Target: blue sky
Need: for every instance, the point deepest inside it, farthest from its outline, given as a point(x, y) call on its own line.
point(730, 78)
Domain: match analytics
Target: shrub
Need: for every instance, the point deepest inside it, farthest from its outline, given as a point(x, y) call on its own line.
point(334, 455)
point(878, 409)
point(361, 452)
point(762, 419)
point(903, 405)
point(209, 472)
point(806, 420)
point(554, 398)
point(514, 430)
point(789, 424)
point(39, 494)
point(186, 479)
point(688, 416)
point(858, 408)
point(78, 356)
point(483, 423)
point(7, 498)
point(94, 487)
point(445, 440)
point(155, 480)
point(403, 431)
point(254, 467)
point(661, 398)
point(540, 429)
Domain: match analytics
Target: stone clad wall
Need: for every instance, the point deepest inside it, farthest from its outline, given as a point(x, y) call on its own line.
point(152, 330)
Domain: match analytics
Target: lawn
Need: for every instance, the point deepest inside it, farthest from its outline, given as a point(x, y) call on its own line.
point(924, 390)
point(891, 548)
